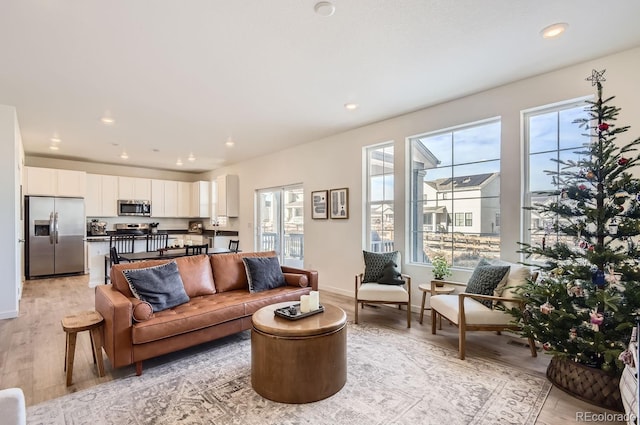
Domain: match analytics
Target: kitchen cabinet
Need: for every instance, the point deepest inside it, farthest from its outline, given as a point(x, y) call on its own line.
point(53, 182)
point(102, 196)
point(134, 188)
point(228, 195)
point(200, 199)
point(184, 199)
point(164, 198)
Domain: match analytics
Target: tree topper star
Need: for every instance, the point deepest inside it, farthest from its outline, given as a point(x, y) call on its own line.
point(596, 77)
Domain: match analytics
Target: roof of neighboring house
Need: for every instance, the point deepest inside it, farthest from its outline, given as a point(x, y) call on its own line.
point(461, 182)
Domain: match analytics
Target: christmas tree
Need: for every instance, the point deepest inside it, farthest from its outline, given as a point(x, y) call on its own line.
point(583, 305)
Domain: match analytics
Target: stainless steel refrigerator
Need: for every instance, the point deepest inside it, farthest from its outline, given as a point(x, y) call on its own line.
point(55, 233)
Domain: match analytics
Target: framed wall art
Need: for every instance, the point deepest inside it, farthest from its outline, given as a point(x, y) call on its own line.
point(319, 205)
point(339, 203)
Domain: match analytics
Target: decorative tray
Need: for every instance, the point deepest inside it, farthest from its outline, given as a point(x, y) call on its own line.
point(292, 312)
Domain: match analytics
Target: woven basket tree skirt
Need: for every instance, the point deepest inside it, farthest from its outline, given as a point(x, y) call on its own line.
point(586, 383)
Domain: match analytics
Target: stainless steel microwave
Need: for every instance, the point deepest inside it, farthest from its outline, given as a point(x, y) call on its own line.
point(131, 207)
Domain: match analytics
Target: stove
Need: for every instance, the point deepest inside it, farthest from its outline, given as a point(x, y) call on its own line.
point(132, 228)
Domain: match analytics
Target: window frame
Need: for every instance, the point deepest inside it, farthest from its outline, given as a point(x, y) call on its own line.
point(389, 243)
point(416, 228)
point(528, 194)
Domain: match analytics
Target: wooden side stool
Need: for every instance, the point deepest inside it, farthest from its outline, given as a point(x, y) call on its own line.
point(83, 321)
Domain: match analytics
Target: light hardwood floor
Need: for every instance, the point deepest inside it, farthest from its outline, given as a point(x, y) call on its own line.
point(32, 346)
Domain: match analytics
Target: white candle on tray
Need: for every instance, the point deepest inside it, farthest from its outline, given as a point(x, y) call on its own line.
point(305, 304)
point(314, 300)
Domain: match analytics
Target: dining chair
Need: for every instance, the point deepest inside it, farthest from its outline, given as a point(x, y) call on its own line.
point(122, 243)
point(233, 245)
point(157, 241)
point(197, 249)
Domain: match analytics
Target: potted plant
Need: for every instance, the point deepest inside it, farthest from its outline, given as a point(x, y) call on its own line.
point(441, 268)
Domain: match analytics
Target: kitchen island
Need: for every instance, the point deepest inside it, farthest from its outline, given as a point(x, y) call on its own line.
point(98, 250)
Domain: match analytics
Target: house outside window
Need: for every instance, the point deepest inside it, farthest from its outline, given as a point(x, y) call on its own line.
point(550, 135)
point(455, 176)
point(379, 202)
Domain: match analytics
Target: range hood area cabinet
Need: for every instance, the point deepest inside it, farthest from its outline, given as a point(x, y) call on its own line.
point(227, 189)
point(102, 196)
point(134, 188)
point(53, 182)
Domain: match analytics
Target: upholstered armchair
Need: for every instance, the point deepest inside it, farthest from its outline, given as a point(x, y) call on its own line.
point(381, 283)
point(481, 311)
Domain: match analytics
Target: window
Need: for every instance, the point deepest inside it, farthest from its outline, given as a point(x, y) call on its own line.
point(379, 180)
point(550, 136)
point(455, 175)
point(280, 218)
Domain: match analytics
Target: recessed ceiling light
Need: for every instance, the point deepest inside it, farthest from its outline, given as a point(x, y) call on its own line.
point(55, 139)
point(179, 162)
point(124, 155)
point(191, 157)
point(554, 30)
point(351, 106)
point(324, 8)
point(107, 118)
point(230, 142)
point(54, 147)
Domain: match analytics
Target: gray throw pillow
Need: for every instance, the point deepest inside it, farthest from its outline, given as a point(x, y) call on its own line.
point(161, 286)
point(263, 273)
point(374, 263)
point(485, 278)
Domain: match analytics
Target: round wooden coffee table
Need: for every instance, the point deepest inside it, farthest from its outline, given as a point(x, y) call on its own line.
point(298, 361)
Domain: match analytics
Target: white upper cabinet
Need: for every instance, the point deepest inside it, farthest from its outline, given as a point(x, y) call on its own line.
point(164, 198)
point(228, 194)
point(53, 182)
point(184, 199)
point(200, 199)
point(102, 196)
point(134, 188)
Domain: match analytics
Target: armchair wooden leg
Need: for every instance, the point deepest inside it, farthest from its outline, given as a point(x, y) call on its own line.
point(357, 306)
point(532, 346)
point(434, 321)
point(408, 316)
point(461, 342)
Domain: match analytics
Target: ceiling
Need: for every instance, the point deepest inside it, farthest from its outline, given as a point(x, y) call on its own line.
point(182, 77)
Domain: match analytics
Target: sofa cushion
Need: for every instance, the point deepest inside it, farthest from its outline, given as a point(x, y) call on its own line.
point(118, 280)
point(161, 286)
point(485, 279)
point(263, 273)
point(475, 312)
point(375, 262)
point(196, 274)
point(295, 279)
point(229, 272)
point(517, 278)
point(142, 310)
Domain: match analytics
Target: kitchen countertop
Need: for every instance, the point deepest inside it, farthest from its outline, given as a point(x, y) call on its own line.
point(205, 233)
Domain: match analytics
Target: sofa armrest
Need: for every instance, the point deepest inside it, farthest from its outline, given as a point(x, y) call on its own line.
point(117, 311)
point(312, 275)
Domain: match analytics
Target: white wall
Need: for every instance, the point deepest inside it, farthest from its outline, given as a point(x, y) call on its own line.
point(10, 212)
point(334, 247)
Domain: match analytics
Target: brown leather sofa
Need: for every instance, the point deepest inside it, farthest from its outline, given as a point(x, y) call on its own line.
point(204, 318)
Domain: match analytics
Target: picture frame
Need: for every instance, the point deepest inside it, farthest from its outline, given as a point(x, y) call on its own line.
point(339, 203)
point(320, 205)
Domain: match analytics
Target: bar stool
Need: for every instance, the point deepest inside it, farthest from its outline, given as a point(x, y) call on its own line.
point(84, 321)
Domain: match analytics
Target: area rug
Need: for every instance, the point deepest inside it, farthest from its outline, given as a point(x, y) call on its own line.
point(392, 378)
